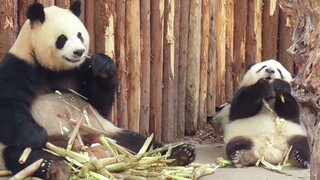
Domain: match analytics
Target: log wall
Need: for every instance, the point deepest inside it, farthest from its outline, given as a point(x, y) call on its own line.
point(177, 59)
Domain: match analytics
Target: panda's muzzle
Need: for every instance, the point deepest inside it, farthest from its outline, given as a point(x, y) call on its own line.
point(79, 52)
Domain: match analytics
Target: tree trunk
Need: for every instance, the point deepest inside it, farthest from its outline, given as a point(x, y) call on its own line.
point(305, 16)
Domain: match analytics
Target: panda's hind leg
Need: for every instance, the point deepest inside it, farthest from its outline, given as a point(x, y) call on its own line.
point(300, 154)
point(240, 151)
point(52, 166)
point(183, 154)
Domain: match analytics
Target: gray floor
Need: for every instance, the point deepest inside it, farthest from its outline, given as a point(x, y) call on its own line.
point(207, 153)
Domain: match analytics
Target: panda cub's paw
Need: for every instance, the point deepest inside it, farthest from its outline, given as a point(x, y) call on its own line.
point(243, 158)
point(300, 159)
point(281, 87)
point(183, 155)
point(50, 170)
point(103, 65)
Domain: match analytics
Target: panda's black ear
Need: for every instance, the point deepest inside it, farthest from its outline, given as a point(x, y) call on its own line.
point(75, 8)
point(249, 66)
point(35, 12)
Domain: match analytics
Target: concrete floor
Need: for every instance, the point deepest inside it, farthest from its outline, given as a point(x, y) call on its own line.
point(208, 153)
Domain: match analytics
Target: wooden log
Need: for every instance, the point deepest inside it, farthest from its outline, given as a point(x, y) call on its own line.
point(285, 32)
point(193, 67)
point(62, 3)
point(204, 51)
point(254, 33)
point(270, 29)
point(46, 3)
point(120, 56)
point(22, 9)
point(183, 55)
point(104, 27)
point(305, 16)
point(168, 95)
point(239, 41)
point(145, 66)
point(133, 63)
point(229, 49)
point(8, 25)
point(221, 50)
point(211, 89)
point(90, 24)
point(156, 67)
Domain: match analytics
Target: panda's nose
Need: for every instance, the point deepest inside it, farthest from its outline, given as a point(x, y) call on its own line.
point(270, 71)
point(78, 52)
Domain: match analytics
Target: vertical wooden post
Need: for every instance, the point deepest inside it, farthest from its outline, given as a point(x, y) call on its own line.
point(104, 27)
point(229, 49)
point(145, 66)
point(211, 87)
point(157, 9)
point(193, 67)
point(254, 32)
point(168, 98)
point(221, 50)
point(133, 63)
point(183, 55)
point(62, 3)
point(89, 22)
point(270, 29)
point(8, 25)
point(46, 3)
point(285, 32)
point(121, 60)
point(239, 40)
point(177, 16)
point(204, 52)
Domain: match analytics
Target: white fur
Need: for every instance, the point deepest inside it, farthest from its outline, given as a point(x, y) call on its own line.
point(62, 106)
point(252, 75)
point(41, 39)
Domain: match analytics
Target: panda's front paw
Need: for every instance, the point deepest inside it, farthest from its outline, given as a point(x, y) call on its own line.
point(103, 65)
point(52, 169)
point(265, 88)
point(281, 87)
point(183, 155)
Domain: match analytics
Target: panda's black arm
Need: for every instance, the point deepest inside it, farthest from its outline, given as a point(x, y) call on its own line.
point(247, 101)
point(17, 92)
point(286, 105)
point(100, 82)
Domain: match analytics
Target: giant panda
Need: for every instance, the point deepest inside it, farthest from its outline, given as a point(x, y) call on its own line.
point(263, 119)
point(49, 59)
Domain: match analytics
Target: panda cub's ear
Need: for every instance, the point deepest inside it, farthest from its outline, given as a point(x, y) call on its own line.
point(75, 8)
point(35, 12)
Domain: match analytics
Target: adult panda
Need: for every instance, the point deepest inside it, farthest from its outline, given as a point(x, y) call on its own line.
point(264, 119)
point(50, 55)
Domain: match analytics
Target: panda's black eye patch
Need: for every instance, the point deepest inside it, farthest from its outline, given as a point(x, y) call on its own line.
point(61, 41)
point(261, 68)
point(80, 36)
point(281, 75)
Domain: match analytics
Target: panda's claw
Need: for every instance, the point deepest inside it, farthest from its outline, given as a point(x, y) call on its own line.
point(243, 158)
point(183, 155)
point(44, 168)
point(300, 159)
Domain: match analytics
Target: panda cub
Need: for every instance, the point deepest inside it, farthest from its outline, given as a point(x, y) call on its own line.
point(51, 55)
point(264, 119)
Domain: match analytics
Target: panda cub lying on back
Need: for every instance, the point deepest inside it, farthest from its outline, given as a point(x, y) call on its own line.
point(264, 119)
point(49, 55)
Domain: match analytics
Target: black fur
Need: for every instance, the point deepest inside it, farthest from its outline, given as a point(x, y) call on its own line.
point(247, 101)
point(75, 8)
point(36, 12)
point(238, 143)
point(300, 153)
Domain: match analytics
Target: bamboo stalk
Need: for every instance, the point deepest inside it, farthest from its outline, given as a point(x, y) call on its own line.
point(28, 171)
point(25, 154)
